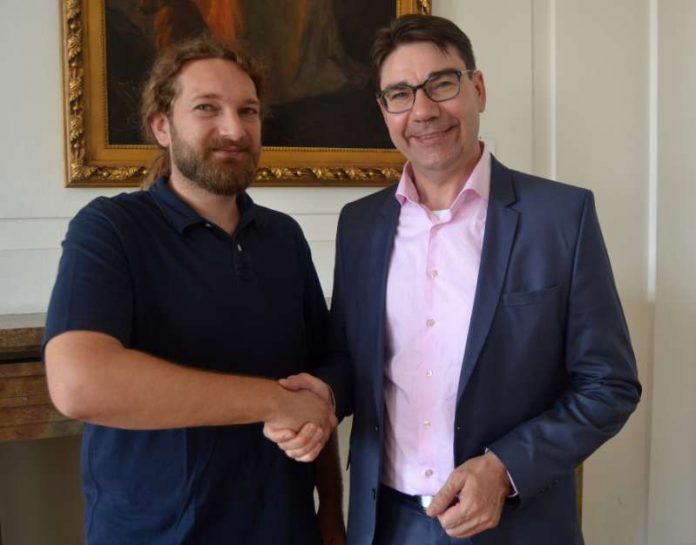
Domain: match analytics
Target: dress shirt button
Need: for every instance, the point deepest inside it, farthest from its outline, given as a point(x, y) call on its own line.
point(434, 273)
point(208, 225)
point(428, 473)
point(426, 423)
point(430, 322)
point(239, 247)
point(429, 373)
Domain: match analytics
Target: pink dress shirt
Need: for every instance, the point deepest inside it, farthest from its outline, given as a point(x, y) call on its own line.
point(430, 295)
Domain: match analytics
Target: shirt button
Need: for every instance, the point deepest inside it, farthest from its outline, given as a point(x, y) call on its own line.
point(239, 247)
point(429, 373)
point(430, 322)
point(426, 423)
point(428, 473)
point(434, 273)
point(208, 225)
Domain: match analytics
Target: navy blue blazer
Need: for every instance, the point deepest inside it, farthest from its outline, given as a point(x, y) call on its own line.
point(548, 373)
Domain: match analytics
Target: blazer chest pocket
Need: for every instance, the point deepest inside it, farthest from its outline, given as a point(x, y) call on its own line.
point(522, 298)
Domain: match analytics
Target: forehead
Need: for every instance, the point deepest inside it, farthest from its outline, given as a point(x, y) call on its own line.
point(414, 62)
point(215, 77)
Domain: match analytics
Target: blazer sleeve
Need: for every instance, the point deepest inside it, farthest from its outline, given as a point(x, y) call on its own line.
point(314, 305)
point(602, 388)
point(336, 372)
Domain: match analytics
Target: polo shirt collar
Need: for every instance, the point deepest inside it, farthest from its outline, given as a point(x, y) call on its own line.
point(182, 216)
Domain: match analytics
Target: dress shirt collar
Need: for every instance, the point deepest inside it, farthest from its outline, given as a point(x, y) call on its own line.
point(479, 181)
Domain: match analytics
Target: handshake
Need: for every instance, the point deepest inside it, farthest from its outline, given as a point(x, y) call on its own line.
point(304, 419)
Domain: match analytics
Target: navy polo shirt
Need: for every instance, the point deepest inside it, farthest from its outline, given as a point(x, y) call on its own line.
point(148, 270)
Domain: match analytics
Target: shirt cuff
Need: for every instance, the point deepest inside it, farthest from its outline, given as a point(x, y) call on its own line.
point(514, 493)
point(333, 397)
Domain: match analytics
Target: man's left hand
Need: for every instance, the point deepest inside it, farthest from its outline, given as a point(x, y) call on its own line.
point(472, 499)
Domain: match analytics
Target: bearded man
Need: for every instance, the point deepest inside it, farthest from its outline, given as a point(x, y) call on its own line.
point(175, 311)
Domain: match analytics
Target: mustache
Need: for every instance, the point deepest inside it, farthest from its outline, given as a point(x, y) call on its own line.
point(228, 143)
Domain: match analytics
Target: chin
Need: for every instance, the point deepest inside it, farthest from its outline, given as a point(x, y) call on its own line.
point(438, 164)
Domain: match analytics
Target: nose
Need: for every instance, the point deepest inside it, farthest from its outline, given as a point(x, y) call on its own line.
point(423, 108)
point(230, 125)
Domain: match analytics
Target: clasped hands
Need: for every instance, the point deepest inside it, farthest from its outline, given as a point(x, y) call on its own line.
point(307, 418)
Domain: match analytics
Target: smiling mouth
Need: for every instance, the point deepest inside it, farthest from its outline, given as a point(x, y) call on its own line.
point(431, 136)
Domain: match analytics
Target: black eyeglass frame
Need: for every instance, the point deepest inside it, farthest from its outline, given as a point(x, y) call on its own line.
point(414, 89)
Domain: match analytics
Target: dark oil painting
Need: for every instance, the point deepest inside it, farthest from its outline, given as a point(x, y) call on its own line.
point(315, 53)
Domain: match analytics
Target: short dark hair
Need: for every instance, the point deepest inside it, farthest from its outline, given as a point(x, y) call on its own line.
point(161, 87)
point(414, 28)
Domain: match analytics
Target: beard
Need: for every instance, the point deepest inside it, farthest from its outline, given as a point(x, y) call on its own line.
point(226, 177)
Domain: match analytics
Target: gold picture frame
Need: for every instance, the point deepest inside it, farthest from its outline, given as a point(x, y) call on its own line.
point(92, 161)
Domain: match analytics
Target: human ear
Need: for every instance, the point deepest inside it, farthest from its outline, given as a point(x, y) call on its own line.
point(480, 85)
point(159, 124)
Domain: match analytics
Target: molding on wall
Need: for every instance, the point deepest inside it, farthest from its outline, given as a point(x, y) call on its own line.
point(544, 88)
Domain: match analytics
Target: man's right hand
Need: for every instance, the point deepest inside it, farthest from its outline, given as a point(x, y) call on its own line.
point(303, 442)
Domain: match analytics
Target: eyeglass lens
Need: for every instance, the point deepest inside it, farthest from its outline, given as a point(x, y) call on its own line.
point(439, 88)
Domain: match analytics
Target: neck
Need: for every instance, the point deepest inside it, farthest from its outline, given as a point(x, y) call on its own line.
point(222, 210)
point(438, 190)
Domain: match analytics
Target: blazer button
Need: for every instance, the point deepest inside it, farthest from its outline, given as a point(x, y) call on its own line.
point(376, 428)
point(374, 494)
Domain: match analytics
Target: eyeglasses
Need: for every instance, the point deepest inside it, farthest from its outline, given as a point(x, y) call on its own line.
point(439, 87)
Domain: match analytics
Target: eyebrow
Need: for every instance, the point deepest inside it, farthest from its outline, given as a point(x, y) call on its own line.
point(430, 75)
point(215, 96)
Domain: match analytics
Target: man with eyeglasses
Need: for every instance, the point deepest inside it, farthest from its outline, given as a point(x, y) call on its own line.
point(478, 336)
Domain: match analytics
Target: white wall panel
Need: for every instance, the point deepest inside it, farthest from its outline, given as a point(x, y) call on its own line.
point(32, 233)
point(672, 504)
point(26, 277)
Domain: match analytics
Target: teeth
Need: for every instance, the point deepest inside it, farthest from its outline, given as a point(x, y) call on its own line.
point(430, 134)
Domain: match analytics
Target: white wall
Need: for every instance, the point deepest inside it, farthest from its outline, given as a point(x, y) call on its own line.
point(672, 500)
point(571, 95)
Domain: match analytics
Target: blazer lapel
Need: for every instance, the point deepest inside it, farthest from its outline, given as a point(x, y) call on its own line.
point(501, 225)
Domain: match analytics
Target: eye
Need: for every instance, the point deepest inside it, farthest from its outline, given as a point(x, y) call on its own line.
point(249, 111)
point(442, 83)
point(206, 108)
point(398, 94)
